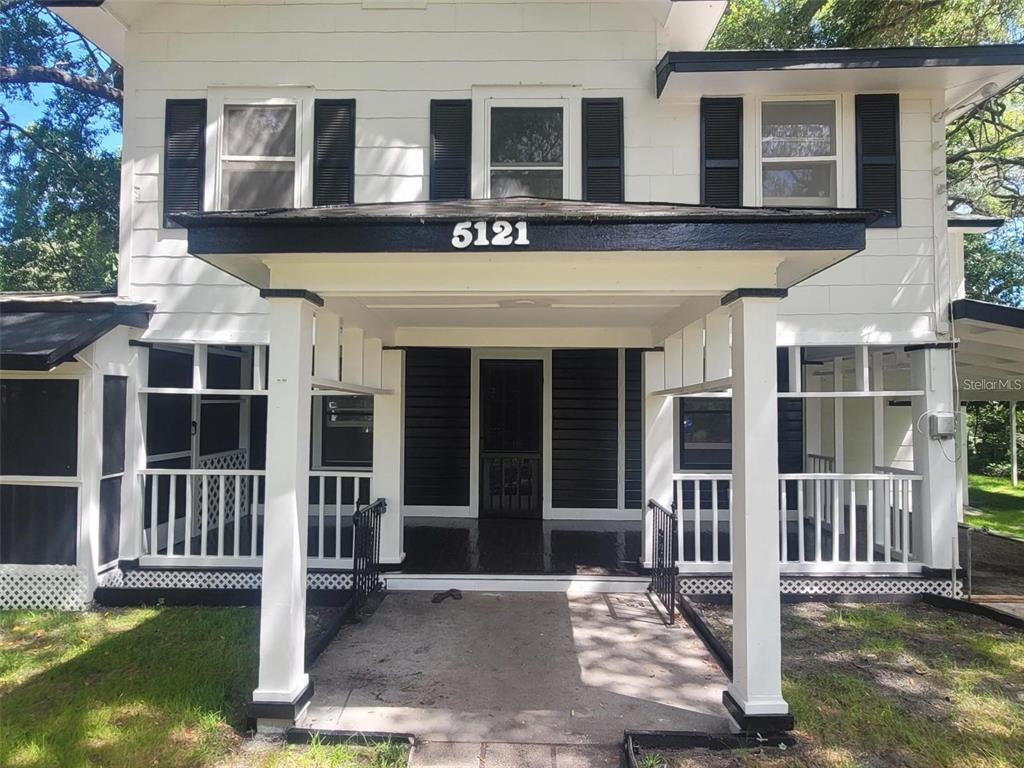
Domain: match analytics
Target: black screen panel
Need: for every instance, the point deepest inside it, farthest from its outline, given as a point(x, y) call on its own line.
point(39, 434)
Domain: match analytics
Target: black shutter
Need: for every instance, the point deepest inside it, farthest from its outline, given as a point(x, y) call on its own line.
point(184, 156)
point(334, 151)
point(451, 134)
point(878, 155)
point(584, 428)
point(721, 152)
point(634, 490)
point(437, 416)
point(603, 166)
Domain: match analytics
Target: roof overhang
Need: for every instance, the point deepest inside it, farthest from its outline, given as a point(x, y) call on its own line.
point(38, 333)
point(966, 74)
point(990, 350)
point(973, 224)
point(800, 243)
point(96, 23)
point(689, 24)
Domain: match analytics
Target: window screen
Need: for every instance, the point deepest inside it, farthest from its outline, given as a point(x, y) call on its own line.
point(38, 525)
point(115, 389)
point(258, 158)
point(40, 427)
point(798, 153)
point(527, 153)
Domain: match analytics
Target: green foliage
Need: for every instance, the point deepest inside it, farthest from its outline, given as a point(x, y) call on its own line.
point(985, 145)
point(59, 187)
point(994, 266)
point(988, 437)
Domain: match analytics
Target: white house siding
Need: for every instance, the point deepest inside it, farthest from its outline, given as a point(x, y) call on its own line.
point(394, 61)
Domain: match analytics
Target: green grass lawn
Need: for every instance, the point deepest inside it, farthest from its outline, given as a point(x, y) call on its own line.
point(1000, 504)
point(142, 687)
point(891, 686)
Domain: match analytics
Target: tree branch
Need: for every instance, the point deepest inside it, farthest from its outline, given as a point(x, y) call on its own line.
point(7, 125)
point(37, 74)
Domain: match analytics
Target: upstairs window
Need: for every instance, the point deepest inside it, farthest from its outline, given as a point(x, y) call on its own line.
point(527, 152)
point(799, 154)
point(259, 156)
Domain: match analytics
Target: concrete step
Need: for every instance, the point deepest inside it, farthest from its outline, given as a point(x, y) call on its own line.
point(447, 754)
point(471, 582)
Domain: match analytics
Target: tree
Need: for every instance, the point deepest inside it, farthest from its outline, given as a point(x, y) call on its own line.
point(985, 158)
point(59, 185)
point(994, 266)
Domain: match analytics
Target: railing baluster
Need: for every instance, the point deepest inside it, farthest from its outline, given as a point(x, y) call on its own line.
point(818, 512)
point(205, 515)
point(906, 520)
point(728, 528)
point(714, 521)
point(888, 507)
point(800, 521)
point(836, 493)
point(696, 521)
point(871, 522)
point(220, 515)
point(853, 521)
point(254, 500)
point(188, 515)
point(238, 516)
point(320, 522)
point(171, 509)
point(154, 514)
point(783, 514)
point(337, 511)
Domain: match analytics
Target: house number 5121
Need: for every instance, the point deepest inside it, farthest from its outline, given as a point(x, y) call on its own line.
point(498, 233)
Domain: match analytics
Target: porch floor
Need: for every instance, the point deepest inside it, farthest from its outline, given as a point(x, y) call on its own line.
point(516, 667)
point(585, 547)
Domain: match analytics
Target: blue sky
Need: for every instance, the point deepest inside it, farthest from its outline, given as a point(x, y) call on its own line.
point(24, 112)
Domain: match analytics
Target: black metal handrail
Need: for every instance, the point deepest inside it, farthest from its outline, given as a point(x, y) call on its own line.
point(366, 549)
point(665, 548)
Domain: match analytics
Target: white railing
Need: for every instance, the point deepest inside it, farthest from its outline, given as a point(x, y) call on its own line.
point(214, 517)
point(828, 522)
point(333, 499)
point(817, 462)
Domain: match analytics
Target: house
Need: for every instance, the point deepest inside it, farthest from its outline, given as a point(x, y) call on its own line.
point(519, 277)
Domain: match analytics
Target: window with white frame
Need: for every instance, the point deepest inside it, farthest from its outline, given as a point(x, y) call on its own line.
point(259, 156)
point(527, 152)
point(799, 154)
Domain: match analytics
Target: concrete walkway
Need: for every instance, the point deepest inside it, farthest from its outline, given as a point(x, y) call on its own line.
point(447, 754)
point(493, 670)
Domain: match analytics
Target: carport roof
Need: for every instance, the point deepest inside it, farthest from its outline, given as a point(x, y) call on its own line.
point(990, 350)
point(40, 332)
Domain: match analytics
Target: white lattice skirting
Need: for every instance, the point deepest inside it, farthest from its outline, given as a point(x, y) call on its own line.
point(722, 585)
point(44, 587)
point(151, 578)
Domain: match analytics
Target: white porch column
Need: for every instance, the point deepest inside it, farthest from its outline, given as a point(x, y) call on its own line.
point(284, 688)
point(931, 370)
point(754, 699)
point(327, 347)
point(132, 496)
point(962, 469)
point(659, 461)
point(389, 455)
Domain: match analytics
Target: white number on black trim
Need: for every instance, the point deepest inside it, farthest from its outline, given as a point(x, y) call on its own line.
point(467, 233)
point(462, 234)
point(502, 234)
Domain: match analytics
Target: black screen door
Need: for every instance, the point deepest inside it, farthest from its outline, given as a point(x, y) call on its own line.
point(510, 438)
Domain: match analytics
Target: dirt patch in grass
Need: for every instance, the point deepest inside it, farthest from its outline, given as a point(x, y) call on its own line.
point(889, 685)
point(146, 686)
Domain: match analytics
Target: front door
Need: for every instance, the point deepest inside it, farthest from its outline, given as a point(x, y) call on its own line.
point(510, 438)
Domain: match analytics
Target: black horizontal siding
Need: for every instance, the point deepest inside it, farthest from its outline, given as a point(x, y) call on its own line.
point(584, 428)
point(634, 480)
point(437, 427)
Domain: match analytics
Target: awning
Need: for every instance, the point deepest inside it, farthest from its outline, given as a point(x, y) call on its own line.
point(990, 350)
point(808, 240)
point(965, 73)
point(38, 333)
point(973, 223)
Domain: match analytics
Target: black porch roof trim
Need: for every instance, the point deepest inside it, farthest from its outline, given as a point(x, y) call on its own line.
point(986, 312)
point(837, 58)
point(968, 221)
point(39, 333)
point(292, 293)
point(555, 225)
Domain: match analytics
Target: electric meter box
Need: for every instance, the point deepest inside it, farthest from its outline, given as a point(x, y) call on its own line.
point(941, 426)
